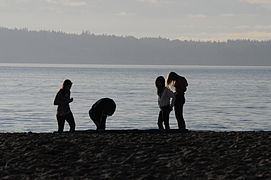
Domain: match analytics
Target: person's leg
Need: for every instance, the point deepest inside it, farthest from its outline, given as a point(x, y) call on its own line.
point(60, 122)
point(178, 108)
point(98, 119)
point(166, 113)
point(160, 120)
point(70, 120)
point(95, 116)
point(103, 121)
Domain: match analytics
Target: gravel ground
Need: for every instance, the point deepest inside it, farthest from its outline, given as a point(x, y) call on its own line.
point(136, 154)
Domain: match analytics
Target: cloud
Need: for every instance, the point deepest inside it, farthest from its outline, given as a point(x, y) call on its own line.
point(76, 4)
point(123, 13)
point(258, 1)
point(3, 3)
point(149, 1)
point(254, 35)
point(6, 3)
point(156, 1)
point(198, 16)
point(230, 15)
point(246, 35)
point(70, 3)
point(263, 27)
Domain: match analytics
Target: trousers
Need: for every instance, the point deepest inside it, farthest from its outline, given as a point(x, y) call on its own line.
point(61, 121)
point(178, 108)
point(164, 117)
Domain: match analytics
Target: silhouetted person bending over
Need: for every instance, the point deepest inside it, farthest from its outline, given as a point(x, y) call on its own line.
point(180, 85)
point(63, 100)
point(100, 110)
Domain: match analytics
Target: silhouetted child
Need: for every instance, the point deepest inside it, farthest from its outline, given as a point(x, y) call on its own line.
point(164, 96)
point(63, 100)
point(100, 110)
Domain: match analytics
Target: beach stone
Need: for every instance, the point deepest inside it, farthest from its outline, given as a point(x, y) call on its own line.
point(135, 155)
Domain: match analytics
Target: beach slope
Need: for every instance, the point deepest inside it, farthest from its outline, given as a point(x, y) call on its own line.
point(136, 154)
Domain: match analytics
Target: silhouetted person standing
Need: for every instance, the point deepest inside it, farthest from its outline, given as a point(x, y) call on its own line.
point(180, 84)
point(63, 100)
point(100, 110)
point(164, 96)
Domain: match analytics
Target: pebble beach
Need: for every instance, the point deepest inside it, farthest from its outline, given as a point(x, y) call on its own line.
point(136, 154)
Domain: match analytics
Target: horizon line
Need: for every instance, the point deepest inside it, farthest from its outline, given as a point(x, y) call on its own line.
point(84, 65)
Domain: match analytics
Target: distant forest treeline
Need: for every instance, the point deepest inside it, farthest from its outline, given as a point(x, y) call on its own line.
point(24, 46)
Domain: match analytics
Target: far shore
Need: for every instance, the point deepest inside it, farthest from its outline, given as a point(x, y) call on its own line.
point(136, 154)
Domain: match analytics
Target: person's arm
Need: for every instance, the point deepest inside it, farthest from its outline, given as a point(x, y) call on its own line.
point(60, 100)
point(172, 96)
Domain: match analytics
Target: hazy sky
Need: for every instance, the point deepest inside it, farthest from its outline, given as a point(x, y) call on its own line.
point(174, 19)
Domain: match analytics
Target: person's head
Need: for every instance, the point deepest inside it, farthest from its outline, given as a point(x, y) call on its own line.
point(171, 77)
point(160, 85)
point(110, 107)
point(67, 84)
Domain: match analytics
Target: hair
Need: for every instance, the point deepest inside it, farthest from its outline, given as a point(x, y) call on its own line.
point(172, 76)
point(160, 85)
point(66, 83)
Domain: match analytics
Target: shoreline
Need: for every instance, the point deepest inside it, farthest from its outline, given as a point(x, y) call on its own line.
point(136, 154)
point(134, 131)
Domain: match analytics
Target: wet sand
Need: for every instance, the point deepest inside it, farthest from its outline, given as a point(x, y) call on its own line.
point(136, 154)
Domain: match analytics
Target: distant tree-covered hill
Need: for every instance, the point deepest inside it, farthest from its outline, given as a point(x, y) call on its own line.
point(24, 46)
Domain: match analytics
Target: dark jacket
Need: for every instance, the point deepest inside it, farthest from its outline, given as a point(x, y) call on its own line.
point(63, 99)
point(105, 105)
point(180, 84)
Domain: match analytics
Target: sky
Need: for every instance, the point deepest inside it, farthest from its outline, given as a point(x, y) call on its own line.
point(205, 20)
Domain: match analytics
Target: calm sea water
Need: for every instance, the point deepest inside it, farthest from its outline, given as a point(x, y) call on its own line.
point(218, 98)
